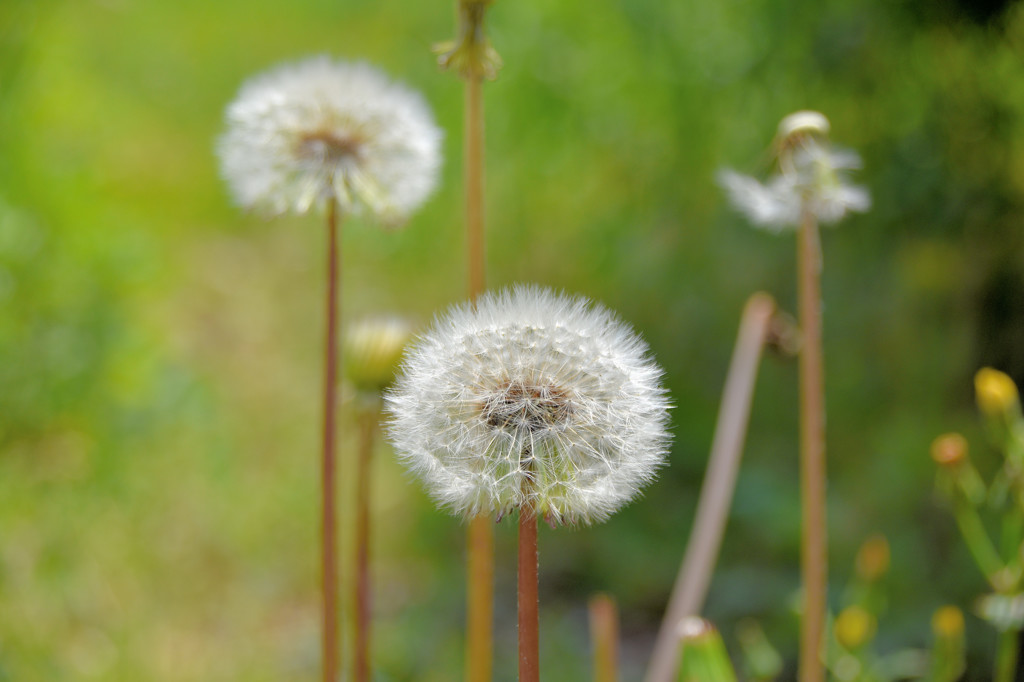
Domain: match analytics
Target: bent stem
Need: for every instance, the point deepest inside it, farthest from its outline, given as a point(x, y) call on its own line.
point(529, 605)
point(814, 553)
point(361, 598)
point(719, 483)
point(329, 540)
point(604, 633)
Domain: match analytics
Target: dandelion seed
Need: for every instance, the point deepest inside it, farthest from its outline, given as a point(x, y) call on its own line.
point(306, 133)
point(530, 400)
point(812, 177)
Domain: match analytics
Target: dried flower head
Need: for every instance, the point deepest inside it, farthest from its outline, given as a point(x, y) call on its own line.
point(532, 399)
point(811, 177)
point(306, 133)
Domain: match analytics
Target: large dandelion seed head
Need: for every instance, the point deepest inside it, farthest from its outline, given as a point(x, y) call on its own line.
point(303, 134)
point(530, 399)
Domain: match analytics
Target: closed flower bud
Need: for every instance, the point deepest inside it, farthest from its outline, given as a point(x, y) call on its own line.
point(854, 627)
point(873, 558)
point(995, 391)
point(949, 450)
point(373, 349)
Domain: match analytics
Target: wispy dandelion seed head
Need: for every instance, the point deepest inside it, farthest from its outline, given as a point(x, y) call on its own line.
point(531, 399)
point(306, 133)
point(812, 176)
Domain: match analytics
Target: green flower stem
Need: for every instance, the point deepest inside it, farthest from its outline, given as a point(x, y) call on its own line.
point(1006, 656)
point(979, 543)
point(1012, 533)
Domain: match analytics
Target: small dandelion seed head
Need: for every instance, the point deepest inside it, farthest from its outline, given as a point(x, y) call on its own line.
point(811, 177)
point(303, 134)
point(530, 399)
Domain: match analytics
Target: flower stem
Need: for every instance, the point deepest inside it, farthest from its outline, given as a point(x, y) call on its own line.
point(604, 633)
point(719, 482)
point(480, 534)
point(1006, 656)
point(529, 607)
point(361, 598)
point(480, 598)
point(474, 179)
point(329, 540)
point(814, 554)
point(979, 544)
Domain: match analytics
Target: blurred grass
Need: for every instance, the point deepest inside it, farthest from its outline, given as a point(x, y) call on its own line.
point(159, 349)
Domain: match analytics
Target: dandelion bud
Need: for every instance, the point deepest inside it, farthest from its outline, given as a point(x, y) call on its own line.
point(996, 392)
point(948, 622)
point(948, 653)
point(527, 399)
point(873, 558)
point(854, 627)
point(318, 131)
point(704, 658)
point(373, 349)
point(949, 450)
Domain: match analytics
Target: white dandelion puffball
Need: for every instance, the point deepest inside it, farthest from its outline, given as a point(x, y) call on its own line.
point(303, 134)
point(530, 399)
point(813, 178)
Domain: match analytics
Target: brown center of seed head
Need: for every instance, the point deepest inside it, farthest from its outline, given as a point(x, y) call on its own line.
point(329, 146)
point(518, 405)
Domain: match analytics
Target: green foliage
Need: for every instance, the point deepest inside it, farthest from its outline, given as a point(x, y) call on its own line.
point(159, 349)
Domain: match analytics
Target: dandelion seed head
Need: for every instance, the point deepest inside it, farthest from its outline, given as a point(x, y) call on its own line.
point(302, 134)
point(812, 176)
point(531, 399)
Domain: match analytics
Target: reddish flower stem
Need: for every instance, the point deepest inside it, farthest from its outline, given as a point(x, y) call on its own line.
point(529, 604)
point(329, 540)
point(814, 554)
point(604, 634)
point(480, 533)
point(362, 598)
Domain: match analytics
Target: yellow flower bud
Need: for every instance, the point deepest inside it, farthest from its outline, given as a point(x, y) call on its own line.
point(854, 627)
point(996, 392)
point(948, 622)
point(949, 449)
point(373, 348)
point(873, 558)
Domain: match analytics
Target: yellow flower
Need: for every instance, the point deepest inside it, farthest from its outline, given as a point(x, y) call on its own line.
point(854, 627)
point(996, 392)
point(948, 622)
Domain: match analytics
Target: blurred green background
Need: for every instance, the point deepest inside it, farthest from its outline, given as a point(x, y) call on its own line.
point(159, 349)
